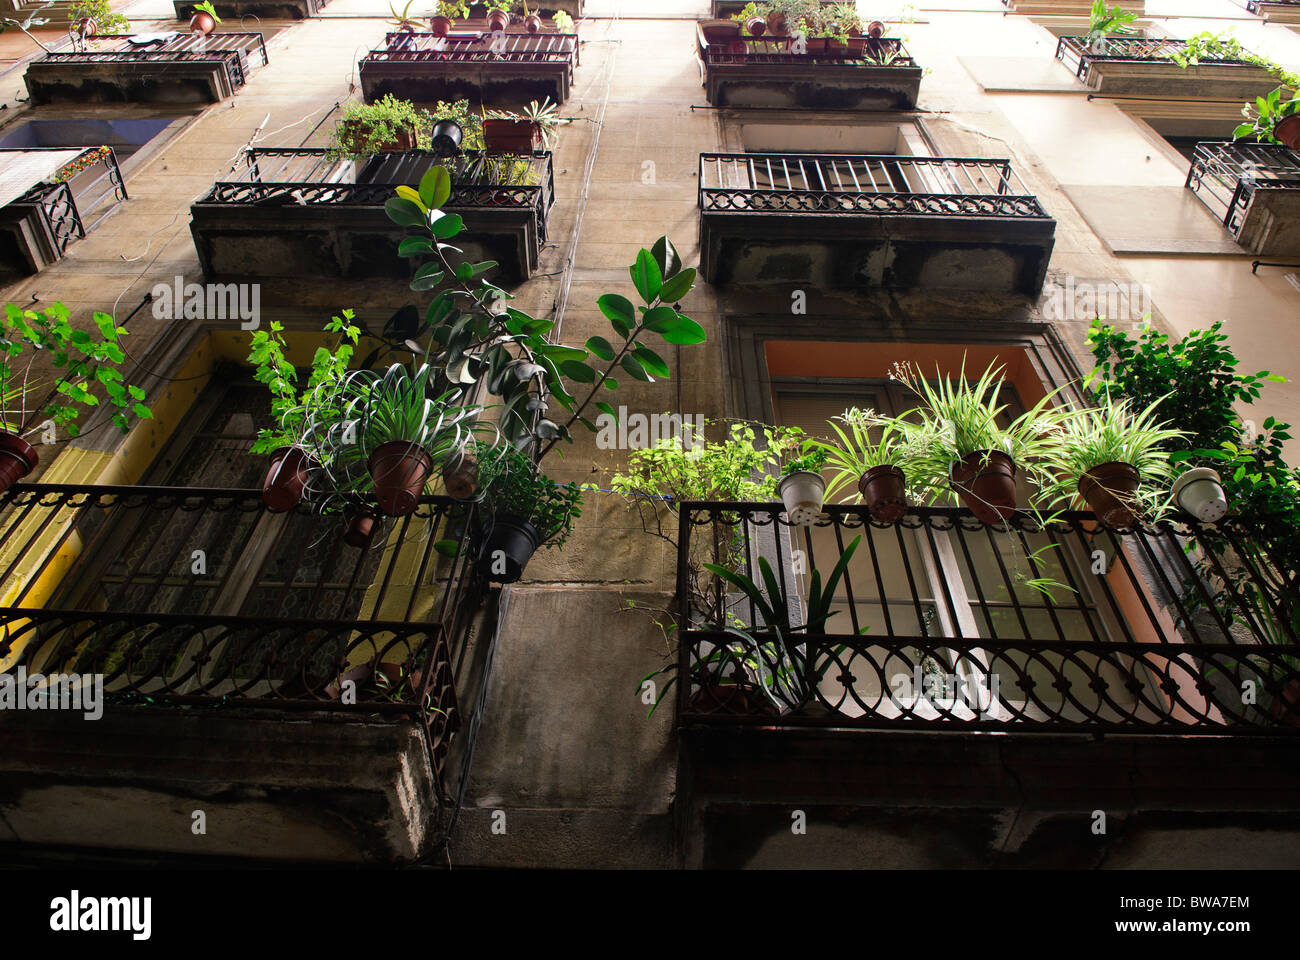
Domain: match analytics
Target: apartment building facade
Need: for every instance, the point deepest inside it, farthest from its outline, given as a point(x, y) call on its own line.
point(973, 187)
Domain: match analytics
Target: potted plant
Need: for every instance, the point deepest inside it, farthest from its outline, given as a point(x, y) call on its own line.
point(79, 359)
point(967, 451)
point(498, 14)
point(532, 22)
point(1103, 22)
point(525, 132)
point(1105, 452)
point(562, 21)
point(300, 421)
point(526, 510)
point(877, 468)
point(445, 15)
point(92, 18)
point(752, 16)
point(1271, 119)
point(1199, 492)
point(842, 28)
point(802, 488)
point(403, 21)
point(388, 125)
point(205, 18)
point(399, 431)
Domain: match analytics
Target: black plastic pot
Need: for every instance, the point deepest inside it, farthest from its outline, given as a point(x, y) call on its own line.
point(508, 546)
point(447, 136)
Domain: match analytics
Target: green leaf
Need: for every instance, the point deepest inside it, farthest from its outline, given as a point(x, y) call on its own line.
point(409, 194)
point(135, 391)
point(620, 312)
point(577, 370)
point(677, 287)
point(666, 256)
point(635, 370)
point(447, 226)
point(403, 212)
point(427, 277)
point(414, 246)
point(611, 383)
point(660, 319)
point(646, 276)
point(447, 548)
point(606, 408)
point(653, 363)
point(686, 332)
point(601, 348)
point(435, 187)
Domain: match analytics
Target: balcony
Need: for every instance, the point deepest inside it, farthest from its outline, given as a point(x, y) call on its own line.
point(1254, 188)
point(762, 72)
point(425, 67)
point(1064, 8)
point(296, 212)
point(236, 10)
point(727, 8)
point(1278, 11)
point(841, 221)
point(156, 68)
point(1140, 66)
point(937, 629)
point(50, 197)
point(243, 655)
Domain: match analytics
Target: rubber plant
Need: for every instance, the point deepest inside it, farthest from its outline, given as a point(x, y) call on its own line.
point(75, 361)
point(480, 345)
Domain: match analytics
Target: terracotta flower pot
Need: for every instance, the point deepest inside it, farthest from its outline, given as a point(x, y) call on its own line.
point(1287, 131)
point(497, 20)
point(361, 527)
point(509, 545)
point(87, 27)
point(17, 459)
point(460, 476)
point(439, 26)
point(986, 486)
point(286, 479)
point(756, 26)
point(884, 491)
point(776, 24)
point(817, 46)
point(533, 23)
point(202, 23)
point(1109, 490)
point(398, 470)
point(511, 136)
point(732, 698)
point(875, 29)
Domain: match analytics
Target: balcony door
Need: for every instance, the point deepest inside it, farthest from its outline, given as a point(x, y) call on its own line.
point(944, 580)
point(231, 562)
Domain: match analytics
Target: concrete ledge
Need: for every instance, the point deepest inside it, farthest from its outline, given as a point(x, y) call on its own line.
point(897, 251)
point(820, 85)
point(504, 82)
point(1207, 81)
point(275, 788)
point(193, 81)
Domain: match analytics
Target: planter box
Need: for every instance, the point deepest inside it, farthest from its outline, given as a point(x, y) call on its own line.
point(512, 136)
point(1140, 69)
point(766, 75)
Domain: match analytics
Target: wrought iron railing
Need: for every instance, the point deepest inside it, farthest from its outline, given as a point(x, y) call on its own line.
point(1171, 629)
point(405, 47)
point(311, 176)
point(879, 185)
point(1226, 175)
point(239, 53)
point(191, 597)
point(66, 206)
point(1076, 53)
point(861, 53)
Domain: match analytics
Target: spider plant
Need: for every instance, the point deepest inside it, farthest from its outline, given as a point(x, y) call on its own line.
point(1113, 432)
point(897, 444)
point(958, 419)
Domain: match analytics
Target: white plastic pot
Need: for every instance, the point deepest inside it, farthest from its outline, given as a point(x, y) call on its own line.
point(802, 493)
point(1199, 492)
